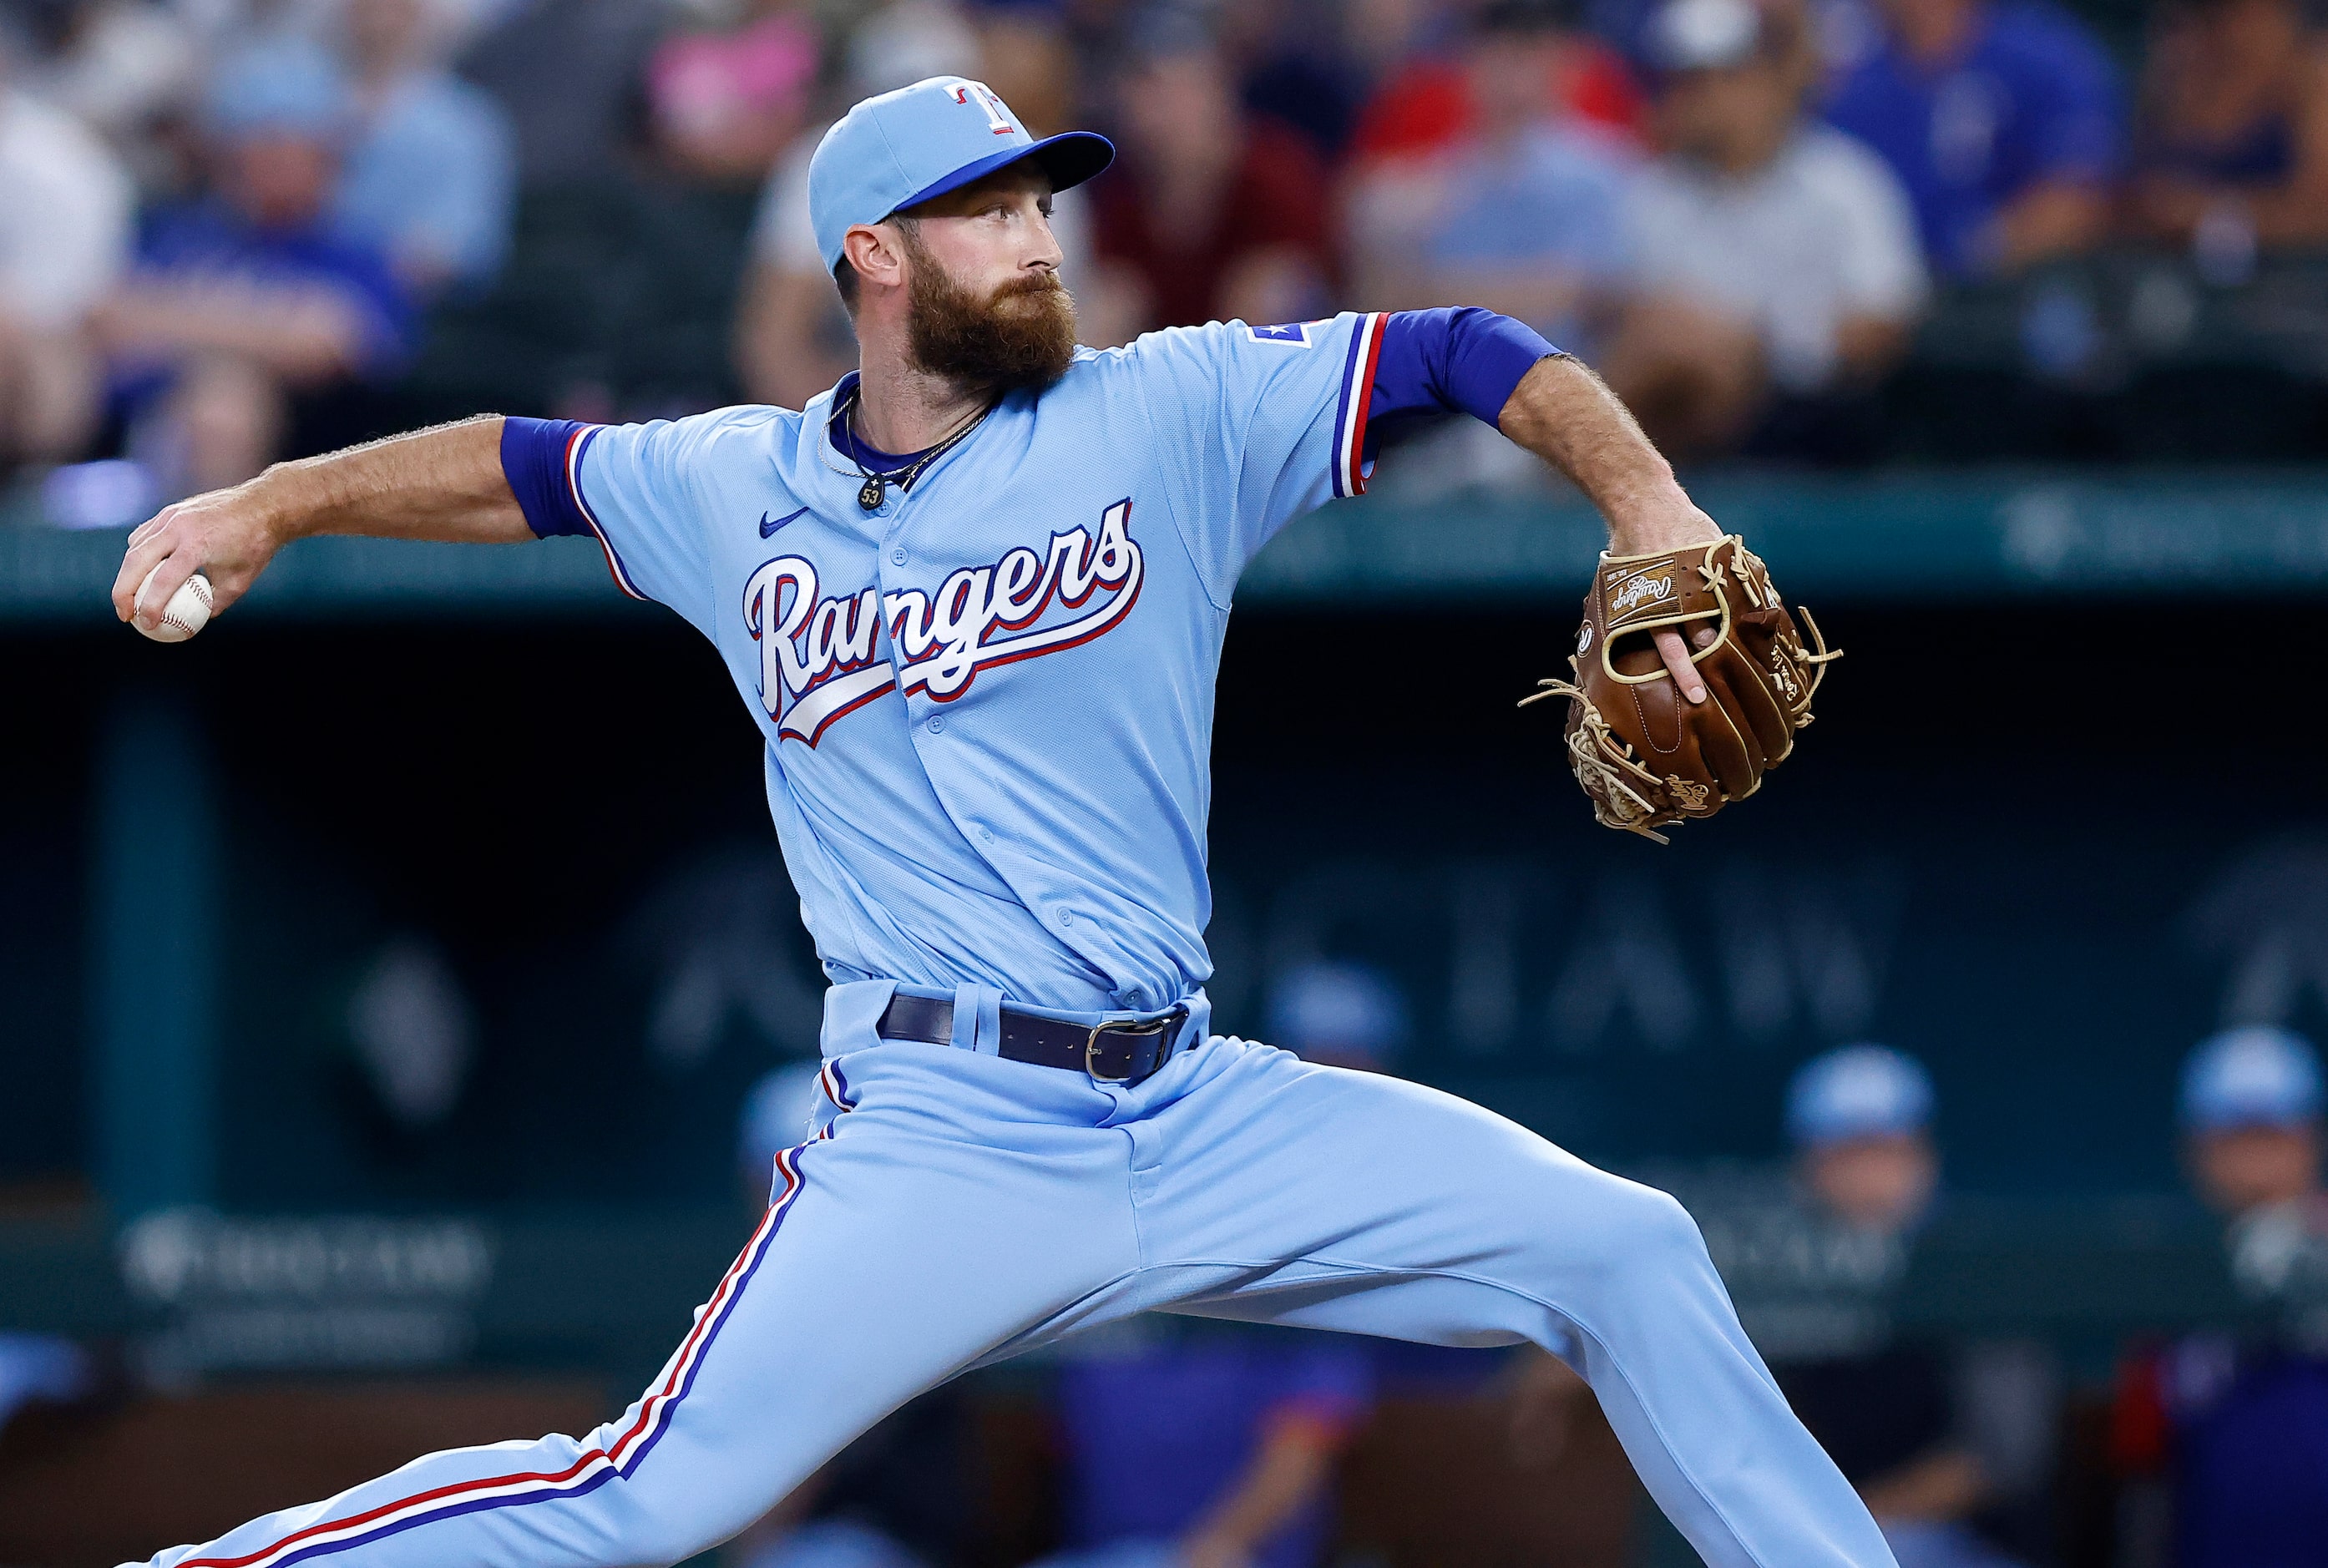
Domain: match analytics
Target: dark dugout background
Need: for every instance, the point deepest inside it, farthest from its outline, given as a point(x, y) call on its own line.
point(2045, 845)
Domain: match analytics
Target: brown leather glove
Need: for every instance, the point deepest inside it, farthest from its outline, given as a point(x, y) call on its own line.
point(1646, 755)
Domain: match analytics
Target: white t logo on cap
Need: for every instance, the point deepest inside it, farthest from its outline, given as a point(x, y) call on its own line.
point(996, 118)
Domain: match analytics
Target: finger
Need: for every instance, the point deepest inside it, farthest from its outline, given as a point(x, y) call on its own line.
point(167, 577)
point(146, 547)
point(154, 524)
point(1671, 649)
point(1704, 635)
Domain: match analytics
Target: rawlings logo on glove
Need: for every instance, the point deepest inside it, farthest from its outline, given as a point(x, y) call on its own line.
point(1643, 753)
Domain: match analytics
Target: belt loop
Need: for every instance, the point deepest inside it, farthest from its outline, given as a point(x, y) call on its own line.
point(978, 1019)
point(852, 1015)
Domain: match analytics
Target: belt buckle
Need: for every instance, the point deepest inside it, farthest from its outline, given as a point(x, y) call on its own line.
point(1136, 1030)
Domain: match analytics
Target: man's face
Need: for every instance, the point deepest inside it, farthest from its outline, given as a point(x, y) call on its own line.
point(1510, 76)
point(384, 31)
point(1877, 1183)
point(985, 305)
point(1702, 114)
point(1178, 102)
point(2244, 1168)
point(278, 179)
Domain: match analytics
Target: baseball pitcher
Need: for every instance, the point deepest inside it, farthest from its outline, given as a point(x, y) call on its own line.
point(974, 597)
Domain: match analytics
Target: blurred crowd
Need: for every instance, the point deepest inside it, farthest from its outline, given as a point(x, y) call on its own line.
point(216, 216)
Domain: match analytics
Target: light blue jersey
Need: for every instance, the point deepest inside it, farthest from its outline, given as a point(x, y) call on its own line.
point(988, 704)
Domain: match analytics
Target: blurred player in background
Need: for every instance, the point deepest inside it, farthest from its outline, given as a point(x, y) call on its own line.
point(2238, 1425)
point(1338, 1012)
point(245, 300)
point(1933, 1434)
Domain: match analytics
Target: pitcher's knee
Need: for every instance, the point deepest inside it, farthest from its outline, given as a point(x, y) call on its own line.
point(1620, 1234)
point(1668, 1234)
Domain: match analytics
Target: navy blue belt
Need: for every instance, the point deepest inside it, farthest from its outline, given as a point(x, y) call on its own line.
point(1117, 1052)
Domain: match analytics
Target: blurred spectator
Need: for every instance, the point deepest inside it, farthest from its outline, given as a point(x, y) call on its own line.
point(1889, 1409)
point(1232, 1437)
point(1770, 256)
point(1344, 1015)
point(244, 297)
point(1296, 69)
point(2231, 138)
point(726, 101)
point(1209, 214)
point(2001, 118)
point(119, 67)
point(64, 233)
point(430, 172)
point(1431, 104)
point(1522, 213)
point(567, 72)
point(2251, 1108)
point(2240, 1423)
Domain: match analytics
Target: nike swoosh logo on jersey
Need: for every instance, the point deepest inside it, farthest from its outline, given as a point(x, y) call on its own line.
point(768, 529)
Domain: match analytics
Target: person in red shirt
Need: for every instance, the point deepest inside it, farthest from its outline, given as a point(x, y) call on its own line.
point(1210, 215)
point(1427, 106)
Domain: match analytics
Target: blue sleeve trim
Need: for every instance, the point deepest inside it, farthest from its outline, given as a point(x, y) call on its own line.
point(541, 457)
point(1457, 360)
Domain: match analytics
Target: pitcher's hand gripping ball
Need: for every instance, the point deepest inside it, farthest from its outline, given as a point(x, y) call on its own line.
point(188, 611)
point(1645, 754)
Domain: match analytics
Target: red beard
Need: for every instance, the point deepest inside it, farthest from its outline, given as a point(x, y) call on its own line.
point(1022, 335)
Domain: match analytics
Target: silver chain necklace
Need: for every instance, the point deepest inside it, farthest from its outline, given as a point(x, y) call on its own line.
point(875, 490)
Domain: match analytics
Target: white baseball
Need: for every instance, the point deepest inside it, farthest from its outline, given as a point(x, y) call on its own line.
point(188, 611)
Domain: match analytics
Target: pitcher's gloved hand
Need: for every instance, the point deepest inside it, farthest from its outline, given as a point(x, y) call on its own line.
point(1647, 756)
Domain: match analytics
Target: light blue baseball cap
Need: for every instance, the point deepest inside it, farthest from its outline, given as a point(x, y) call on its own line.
point(2257, 1076)
point(919, 141)
point(1858, 1092)
point(278, 85)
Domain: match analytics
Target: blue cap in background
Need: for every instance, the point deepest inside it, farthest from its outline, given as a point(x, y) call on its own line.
point(2257, 1076)
point(278, 85)
point(1858, 1092)
point(919, 141)
point(1344, 1010)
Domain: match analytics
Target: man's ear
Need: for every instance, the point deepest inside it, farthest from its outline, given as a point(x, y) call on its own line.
point(875, 251)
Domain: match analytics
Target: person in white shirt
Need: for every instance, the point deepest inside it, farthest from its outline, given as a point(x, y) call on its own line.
point(1773, 259)
point(65, 209)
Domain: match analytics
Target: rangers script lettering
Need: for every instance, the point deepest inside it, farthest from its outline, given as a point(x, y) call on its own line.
point(822, 659)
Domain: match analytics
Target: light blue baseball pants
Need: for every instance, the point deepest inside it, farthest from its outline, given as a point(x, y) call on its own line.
point(953, 1209)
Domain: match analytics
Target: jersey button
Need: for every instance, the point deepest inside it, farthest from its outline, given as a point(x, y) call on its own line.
point(1065, 916)
point(986, 833)
point(936, 725)
point(897, 556)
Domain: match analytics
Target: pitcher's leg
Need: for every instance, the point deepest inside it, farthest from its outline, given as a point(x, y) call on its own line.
point(895, 1254)
point(1399, 1211)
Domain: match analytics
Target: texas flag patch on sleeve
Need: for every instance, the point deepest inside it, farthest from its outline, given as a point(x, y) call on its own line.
point(1293, 334)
